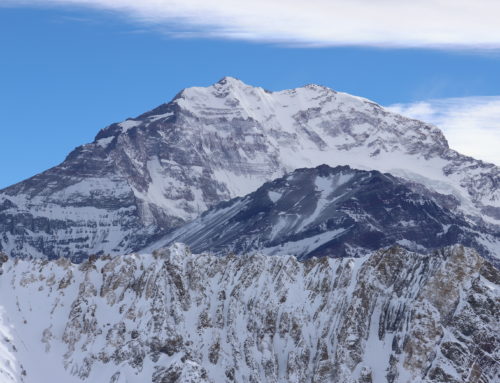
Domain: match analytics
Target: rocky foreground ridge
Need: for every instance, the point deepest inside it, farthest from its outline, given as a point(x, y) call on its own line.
point(393, 316)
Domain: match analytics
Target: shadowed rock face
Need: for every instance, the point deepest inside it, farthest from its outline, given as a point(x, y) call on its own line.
point(144, 176)
point(394, 316)
point(334, 212)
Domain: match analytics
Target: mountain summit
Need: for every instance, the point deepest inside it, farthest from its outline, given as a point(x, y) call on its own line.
point(147, 175)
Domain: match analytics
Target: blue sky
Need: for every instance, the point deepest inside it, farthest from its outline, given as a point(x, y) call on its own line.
point(67, 72)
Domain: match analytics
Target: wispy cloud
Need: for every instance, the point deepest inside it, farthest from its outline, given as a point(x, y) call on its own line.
point(471, 124)
point(387, 23)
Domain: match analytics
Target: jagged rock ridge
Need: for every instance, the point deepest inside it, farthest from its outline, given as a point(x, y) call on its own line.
point(334, 212)
point(394, 316)
point(144, 176)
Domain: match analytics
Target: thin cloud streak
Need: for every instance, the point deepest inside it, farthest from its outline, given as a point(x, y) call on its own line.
point(471, 124)
point(382, 23)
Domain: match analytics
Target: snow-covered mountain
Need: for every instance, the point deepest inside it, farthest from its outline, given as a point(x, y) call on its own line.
point(334, 212)
point(144, 176)
point(394, 316)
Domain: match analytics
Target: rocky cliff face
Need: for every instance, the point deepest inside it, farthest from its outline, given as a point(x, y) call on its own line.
point(394, 316)
point(334, 212)
point(142, 177)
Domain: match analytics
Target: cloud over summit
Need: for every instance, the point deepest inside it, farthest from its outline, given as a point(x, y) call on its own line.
point(385, 23)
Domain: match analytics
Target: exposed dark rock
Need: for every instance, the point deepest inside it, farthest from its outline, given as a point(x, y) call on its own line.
point(335, 212)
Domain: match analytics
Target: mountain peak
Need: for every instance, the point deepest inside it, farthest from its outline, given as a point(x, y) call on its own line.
point(237, 89)
point(230, 81)
point(152, 173)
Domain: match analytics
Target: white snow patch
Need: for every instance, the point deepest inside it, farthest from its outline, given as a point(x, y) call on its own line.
point(129, 124)
point(274, 196)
